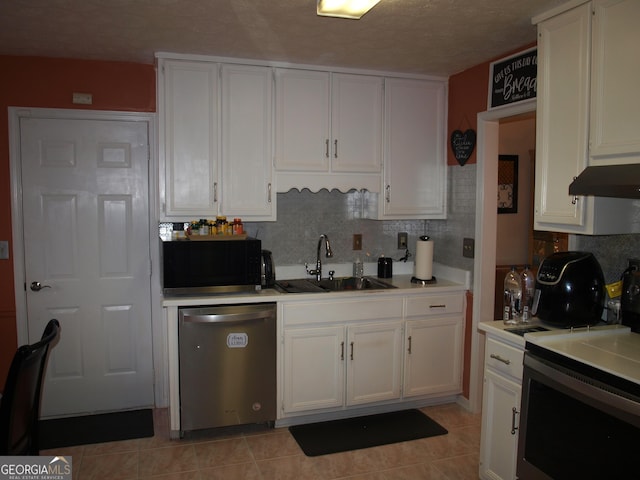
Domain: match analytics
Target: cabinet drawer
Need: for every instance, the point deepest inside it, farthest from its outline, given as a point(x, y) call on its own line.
point(504, 358)
point(435, 304)
point(342, 310)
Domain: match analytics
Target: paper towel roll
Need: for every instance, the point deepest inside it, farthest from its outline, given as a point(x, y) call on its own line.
point(424, 259)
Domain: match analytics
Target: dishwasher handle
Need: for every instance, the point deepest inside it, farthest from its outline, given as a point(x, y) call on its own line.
point(227, 317)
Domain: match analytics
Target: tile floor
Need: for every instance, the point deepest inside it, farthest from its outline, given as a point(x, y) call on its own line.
point(275, 455)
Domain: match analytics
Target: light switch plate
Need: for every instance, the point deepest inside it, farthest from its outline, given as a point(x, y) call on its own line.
point(357, 241)
point(468, 247)
point(403, 240)
point(4, 250)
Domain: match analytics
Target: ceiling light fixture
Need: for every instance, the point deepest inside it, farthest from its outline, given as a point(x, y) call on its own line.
point(345, 8)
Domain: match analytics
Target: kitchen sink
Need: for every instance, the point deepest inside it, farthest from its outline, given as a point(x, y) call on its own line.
point(352, 283)
point(342, 284)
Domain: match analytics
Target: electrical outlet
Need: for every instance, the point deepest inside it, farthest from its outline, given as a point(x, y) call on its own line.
point(357, 241)
point(468, 247)
point(4, 250)
point(403, 240)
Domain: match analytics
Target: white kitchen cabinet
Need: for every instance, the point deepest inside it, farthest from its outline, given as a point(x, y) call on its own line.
point(500, 409)
point(216, 140)
point(336, 366)
point(414, 159)
point(188, 126)
point(344, 353)
point(562, 128)
point(328, 130)
point(246, 189)
point(434, 340)
point(374, 362)
point(313, 371)
point(341, 353)
point(615, 103)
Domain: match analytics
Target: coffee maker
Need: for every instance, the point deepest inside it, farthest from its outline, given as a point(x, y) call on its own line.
point(569, 290)
point(630, 298)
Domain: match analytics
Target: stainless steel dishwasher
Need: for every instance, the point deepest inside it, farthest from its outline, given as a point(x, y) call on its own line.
point(227, 365)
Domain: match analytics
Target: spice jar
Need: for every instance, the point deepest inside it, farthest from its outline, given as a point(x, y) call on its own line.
point(221, 225)
point(238, 228)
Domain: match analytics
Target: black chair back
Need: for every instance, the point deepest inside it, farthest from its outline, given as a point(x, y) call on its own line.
point(20, 402)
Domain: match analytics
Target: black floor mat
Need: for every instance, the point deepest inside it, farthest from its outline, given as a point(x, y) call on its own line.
point(107, 427)
point(364, 432)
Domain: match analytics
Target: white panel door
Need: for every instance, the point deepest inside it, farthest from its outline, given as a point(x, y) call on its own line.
point(86, 234)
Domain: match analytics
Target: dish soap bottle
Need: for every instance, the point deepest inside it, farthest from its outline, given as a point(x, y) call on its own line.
point(512, 297)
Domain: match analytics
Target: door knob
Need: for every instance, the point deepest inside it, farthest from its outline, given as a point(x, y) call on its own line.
point(37, 286)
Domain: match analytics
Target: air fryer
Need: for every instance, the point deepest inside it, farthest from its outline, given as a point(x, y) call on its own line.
point(569, 290)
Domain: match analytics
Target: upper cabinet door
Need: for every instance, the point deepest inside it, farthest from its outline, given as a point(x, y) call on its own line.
point(188, 112)
point(328, 122)
point(246, 189)
point(302, 120)
point(615, 102)
point(414, 149)
point(356, 123)
point(562, 116)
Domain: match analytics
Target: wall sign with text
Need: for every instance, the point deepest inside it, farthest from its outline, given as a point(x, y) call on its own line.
point(513, 79)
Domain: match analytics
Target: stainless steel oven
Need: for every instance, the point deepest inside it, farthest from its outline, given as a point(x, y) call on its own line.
point(576, 420)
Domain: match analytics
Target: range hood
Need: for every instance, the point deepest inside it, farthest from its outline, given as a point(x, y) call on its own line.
point(621, 181)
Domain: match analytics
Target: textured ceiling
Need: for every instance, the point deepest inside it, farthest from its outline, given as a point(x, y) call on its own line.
point(438, 37)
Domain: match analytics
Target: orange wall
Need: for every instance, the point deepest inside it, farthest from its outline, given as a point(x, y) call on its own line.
point(468, 93)
point(50, 83)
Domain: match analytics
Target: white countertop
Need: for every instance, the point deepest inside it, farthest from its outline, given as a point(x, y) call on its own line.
point(610, 348)
point(447, 280)
point(499, 329)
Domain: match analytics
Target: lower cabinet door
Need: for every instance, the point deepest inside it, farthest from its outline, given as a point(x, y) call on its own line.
point(313, 368)
point(500, 416)
point(433, 356)
point(374, 353)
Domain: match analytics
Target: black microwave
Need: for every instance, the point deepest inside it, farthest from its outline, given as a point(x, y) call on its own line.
point(191, 267)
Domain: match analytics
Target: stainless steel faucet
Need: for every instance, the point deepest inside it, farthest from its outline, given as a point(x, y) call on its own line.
point(327, 246)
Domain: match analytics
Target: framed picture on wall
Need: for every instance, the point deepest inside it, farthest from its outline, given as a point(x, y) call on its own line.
point(507, 183)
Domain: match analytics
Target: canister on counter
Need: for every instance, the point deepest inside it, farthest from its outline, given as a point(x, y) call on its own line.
point(385, 267)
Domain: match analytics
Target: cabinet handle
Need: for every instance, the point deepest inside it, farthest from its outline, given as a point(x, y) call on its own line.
point(326, 146)
point(335, 149)
point(440, 305)
point(388, 193)
point(574, 200)
point(506, 361)
point(215, 192)
point(514, 412)
point(351, 350)
point(409, 349)
point(269, 193)
point(341, 350)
